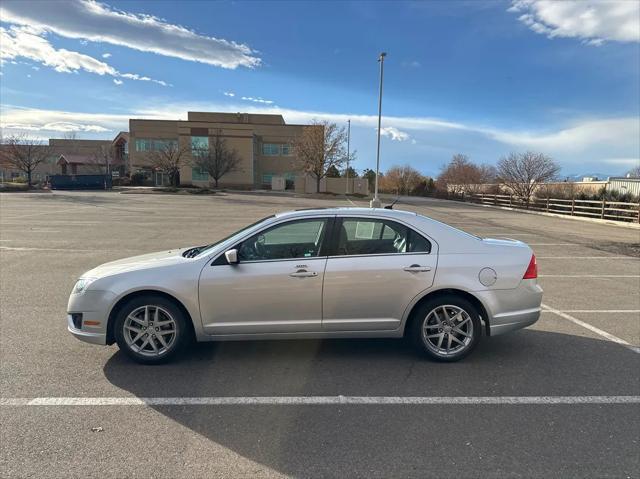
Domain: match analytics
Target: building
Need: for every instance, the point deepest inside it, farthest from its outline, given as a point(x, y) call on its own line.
point(69, 157)
point(263, 143)
point(625, 185)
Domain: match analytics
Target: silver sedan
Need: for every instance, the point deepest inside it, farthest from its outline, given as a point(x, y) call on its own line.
point(325, 273)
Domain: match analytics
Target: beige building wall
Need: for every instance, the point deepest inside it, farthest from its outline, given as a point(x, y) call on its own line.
point(244, 132)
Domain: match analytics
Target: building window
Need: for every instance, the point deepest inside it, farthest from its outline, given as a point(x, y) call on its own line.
point(199, 143)
point(270, 149)
point(277, 149)
point(148, 144)
point(266, 179)
point(198, 175)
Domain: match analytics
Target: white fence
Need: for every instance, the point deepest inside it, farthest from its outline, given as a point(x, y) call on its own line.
point(603, 209)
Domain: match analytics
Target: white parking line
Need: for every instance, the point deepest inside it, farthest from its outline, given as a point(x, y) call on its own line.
point(594, 311)
point(554, 244)
point(588, 326)
point(589, 276)
point(9, 248)
point(630, 258)
point(314, 400)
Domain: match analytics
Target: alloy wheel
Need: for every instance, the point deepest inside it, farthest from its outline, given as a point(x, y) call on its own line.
point(447, 330)
point(150, 330)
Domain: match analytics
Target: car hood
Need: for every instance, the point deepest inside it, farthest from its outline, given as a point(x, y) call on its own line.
point(145, 261)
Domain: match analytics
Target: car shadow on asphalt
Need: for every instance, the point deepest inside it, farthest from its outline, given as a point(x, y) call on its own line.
point(288, 438)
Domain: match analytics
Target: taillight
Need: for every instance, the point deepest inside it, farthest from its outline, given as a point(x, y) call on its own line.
point(532, 269)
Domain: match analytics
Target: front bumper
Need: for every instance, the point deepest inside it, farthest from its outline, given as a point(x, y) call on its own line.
point(86, 335)
point(94, 306)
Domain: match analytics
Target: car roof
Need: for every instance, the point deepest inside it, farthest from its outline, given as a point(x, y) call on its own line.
point(382, 212)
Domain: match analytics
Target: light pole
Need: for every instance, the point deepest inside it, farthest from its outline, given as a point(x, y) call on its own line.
point(348, 152)
point(375, 202)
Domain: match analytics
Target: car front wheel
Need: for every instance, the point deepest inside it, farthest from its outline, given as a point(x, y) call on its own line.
point(151, 329)
point(446, 328)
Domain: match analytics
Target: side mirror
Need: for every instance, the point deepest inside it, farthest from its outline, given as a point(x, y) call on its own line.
point(232, 256)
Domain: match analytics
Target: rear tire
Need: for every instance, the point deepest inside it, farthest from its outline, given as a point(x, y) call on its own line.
point(446, 328)
point(151, 329)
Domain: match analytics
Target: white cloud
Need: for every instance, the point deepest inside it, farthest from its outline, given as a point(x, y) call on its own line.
point(24, 42)
point(257, 100)
point(412, 64)
point(575, 138)
point(394, 133)
point(98, 22)
point(629, 162)
point(229, 93)
point(106, 55)
point(592, 21)
point(57, 126)
point(117, 82)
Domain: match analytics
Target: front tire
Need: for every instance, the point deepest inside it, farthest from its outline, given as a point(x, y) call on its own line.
point(151, 329)
point(446, 328)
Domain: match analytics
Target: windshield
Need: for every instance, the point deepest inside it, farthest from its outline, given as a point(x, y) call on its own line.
point(207, 248)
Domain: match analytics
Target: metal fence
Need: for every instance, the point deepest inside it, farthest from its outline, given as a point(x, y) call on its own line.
point(603, 209)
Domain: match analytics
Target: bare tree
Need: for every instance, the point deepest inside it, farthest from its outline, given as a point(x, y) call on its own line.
point(25, 154)
point(105, 156)
point(321, 148)
point(218, 159)
point(634, 172)
point(401, 179)
point(461, 175)
point(169, 158)
point(523, 173)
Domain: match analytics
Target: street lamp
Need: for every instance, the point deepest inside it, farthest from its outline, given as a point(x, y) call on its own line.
point(375, 202)
point(348, 152)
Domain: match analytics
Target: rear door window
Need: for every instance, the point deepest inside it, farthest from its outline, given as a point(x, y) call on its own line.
point(364, 236)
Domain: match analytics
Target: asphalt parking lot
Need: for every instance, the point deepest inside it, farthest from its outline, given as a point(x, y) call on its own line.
point(579, 365)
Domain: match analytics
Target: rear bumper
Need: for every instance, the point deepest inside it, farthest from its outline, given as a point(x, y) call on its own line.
point(512, 321)
point(512, 309)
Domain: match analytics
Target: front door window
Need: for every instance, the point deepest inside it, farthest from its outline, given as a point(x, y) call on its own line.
point(295, 239)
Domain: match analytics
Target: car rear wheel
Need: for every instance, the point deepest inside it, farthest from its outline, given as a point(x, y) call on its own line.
point(151, 329)
point(446, 328)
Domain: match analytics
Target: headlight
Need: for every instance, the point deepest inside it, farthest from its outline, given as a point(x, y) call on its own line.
point(81, 285)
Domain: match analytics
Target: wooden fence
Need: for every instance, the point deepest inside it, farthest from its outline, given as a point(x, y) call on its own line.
point(603, 209)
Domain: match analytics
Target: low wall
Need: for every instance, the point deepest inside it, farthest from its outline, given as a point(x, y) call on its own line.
point(337, 186)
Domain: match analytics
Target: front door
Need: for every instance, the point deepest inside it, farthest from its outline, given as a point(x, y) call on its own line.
point(378, 267)
point(275, 288)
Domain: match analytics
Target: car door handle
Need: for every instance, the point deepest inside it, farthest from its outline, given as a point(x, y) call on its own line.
point(303, 274)
point(416, 268)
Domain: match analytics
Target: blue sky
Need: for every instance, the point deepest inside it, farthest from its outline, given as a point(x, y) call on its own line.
point(474, 77)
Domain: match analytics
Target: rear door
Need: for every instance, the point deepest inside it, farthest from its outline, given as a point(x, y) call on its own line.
point(375, 268)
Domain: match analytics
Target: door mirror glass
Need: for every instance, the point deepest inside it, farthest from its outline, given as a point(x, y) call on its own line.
point(232, 256)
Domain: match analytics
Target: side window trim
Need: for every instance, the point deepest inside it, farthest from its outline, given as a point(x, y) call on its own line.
point(220, 259)
point(335, 237)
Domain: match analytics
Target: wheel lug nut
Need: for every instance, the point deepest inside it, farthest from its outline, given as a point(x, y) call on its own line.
point(157, 329)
